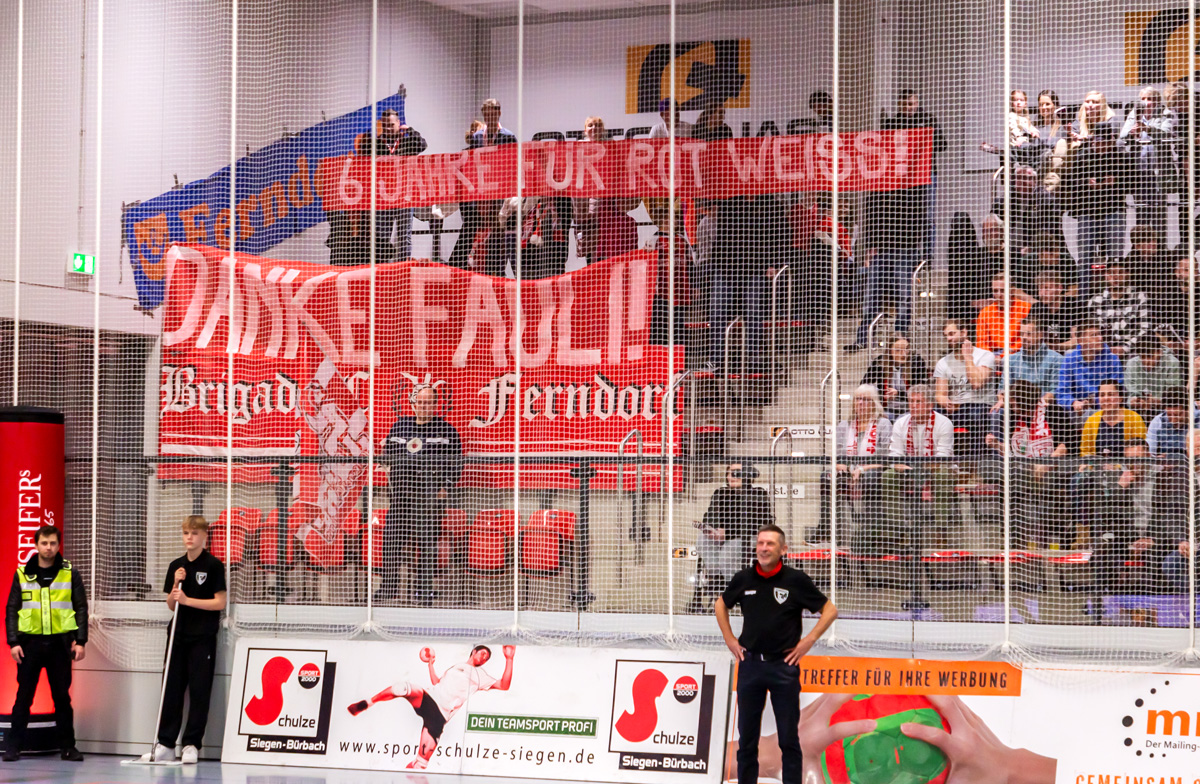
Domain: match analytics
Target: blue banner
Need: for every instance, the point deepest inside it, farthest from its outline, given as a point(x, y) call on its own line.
point(276, 199)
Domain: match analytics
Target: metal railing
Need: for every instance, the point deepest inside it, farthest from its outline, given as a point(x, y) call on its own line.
point(786, 268)
point(871, 333)
point(825, 407)
point(791, 507)
point(639, 531)
point(725, 373)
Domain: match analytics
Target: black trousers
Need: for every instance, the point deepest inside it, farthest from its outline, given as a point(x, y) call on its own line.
point(754, 680)
point(52, 652)
point(190, 671)
point(412, 524)
point(472, 222)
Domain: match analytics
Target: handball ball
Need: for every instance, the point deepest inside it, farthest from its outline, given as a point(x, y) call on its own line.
point(426, 654)
point(887, 755)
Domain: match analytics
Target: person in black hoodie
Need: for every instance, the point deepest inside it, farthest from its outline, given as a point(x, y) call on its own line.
point(909, 114)
point(44, 634)
point(394, 138)
point(425, 455)
point(964, 259)
point(1150, 265)
point(736, 278)
point(1099, 179)
point(729, 530)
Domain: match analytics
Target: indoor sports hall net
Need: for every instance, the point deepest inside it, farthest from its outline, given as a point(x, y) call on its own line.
point(913, 280)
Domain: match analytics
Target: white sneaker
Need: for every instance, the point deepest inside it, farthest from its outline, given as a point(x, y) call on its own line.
point(160, 754)
point(190, 756)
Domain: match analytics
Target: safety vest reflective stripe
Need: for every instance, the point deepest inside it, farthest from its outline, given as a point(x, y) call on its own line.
point(48, 610)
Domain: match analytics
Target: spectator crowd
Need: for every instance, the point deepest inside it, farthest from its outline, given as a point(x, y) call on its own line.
point(1095, 341)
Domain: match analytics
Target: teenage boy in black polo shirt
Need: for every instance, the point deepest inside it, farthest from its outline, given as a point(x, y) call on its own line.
point(196, 583)
point(773, 598)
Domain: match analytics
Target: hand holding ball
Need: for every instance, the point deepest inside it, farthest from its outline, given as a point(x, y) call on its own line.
point(427, 655)
point(887, 756)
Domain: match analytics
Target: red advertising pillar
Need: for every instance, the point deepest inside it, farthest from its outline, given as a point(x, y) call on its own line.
point(31, 495)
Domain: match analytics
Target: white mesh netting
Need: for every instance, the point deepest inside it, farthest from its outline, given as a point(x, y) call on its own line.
point(522, 318)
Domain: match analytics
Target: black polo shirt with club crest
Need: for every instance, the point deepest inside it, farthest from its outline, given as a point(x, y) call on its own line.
point(772, 607)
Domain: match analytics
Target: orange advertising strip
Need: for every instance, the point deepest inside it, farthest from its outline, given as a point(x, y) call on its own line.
point(855, 675)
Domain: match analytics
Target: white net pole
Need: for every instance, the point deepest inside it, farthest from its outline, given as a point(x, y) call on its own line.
point(20, 112)
point(229, 380)
point(665, 447)
point(1191, 245)
point(96, 294)
point(372, 86)
point(1006, 485)
point(519, 319)
point(834, 342)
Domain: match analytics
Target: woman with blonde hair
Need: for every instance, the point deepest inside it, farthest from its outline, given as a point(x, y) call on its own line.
point(1093, 113)
point(865, 434)
point(1177, 97)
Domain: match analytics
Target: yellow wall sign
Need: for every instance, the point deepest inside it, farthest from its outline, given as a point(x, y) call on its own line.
point(707, 74)
point(1156, 46)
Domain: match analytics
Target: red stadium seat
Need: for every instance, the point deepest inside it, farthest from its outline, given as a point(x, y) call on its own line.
point(372, 546)
point(227, 537)
point(454, 524)
point(267, 549)
point(488, 541)
point(325, 555)
point(454, 532)
point(541, 550)
point(558, 519)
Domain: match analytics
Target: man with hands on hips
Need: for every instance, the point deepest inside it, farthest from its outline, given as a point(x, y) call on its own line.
point(773, 598)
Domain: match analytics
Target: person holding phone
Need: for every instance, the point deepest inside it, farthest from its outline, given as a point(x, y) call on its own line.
point(1149, 132)
point(727, 533)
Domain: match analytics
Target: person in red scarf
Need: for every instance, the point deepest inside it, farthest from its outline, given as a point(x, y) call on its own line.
point(1038, 428)
point(922, 432)
point(865, 435)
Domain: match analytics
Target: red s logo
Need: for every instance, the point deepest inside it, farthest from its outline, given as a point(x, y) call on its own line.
point(647, 688)
point(265, 709)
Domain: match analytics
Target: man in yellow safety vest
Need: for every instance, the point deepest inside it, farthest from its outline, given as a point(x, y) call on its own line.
point(46, 621)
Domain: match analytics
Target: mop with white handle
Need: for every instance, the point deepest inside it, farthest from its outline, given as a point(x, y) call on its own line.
point(148, 759)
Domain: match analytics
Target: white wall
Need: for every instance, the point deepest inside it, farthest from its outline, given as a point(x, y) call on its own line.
point(116, 704)
point(953, 54)
point(167, 96)
point(167, 115)
point(576, 69)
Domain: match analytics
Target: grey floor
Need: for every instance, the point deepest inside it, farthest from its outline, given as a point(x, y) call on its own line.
point(101, 769)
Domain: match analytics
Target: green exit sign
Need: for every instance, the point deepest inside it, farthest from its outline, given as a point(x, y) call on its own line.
point(83, 264)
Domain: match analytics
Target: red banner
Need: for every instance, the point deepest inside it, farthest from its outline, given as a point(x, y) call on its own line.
point(301, 347)
point(32, 482)
point(869, 161)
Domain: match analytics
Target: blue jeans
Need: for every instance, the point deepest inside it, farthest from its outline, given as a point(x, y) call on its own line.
point(1175, 569)
point(401, 220)
point(732, 295)
point(890, 270)
point(1100, 237)
point(973, 418)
